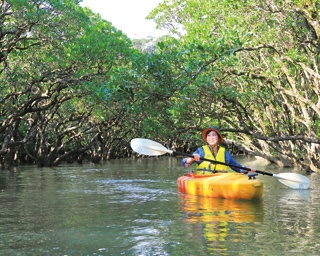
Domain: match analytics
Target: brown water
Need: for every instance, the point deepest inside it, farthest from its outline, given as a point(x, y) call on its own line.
point(132, 207)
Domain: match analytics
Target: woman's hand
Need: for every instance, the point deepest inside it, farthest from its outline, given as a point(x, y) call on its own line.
point(252, 170)
point(195, 157)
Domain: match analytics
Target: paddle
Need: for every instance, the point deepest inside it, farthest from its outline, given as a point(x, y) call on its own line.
point(152, 148)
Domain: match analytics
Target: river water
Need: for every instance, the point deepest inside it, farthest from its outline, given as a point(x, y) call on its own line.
point(132, 207)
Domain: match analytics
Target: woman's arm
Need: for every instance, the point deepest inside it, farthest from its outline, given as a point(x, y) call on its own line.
point(230, 160)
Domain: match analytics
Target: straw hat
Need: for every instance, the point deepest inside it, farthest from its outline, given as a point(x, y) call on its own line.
point(211, 128)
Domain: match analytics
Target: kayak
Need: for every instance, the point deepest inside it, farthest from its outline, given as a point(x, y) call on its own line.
point(221, 185)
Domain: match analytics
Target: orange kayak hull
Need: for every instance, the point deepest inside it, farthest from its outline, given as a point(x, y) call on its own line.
point(221, 185)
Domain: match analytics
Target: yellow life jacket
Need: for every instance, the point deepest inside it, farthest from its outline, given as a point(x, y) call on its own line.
point(207, 167)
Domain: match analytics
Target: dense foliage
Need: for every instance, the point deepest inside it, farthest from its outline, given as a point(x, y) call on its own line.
point(252, 68)
point(73, 86)
point(55, 61)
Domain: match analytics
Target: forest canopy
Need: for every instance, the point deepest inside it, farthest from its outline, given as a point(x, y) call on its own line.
point(73, 87)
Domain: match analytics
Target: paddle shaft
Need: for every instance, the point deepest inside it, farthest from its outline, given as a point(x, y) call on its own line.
point(230, 165)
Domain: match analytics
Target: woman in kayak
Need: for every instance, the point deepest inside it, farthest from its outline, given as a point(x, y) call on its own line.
point(213, 151)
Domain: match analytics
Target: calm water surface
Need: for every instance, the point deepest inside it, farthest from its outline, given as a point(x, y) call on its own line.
point(132, 207)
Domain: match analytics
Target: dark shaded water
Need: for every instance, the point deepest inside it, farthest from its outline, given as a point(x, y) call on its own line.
point(132, 207)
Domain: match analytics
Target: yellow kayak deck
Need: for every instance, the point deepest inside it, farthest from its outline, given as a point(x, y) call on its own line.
point(221, 185)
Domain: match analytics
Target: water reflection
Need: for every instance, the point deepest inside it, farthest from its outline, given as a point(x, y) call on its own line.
point(204, 209)
point(220, 221)
point(294, 196)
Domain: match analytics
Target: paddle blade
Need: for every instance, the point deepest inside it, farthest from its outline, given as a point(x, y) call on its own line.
point(293, 180)
point(148, 147)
